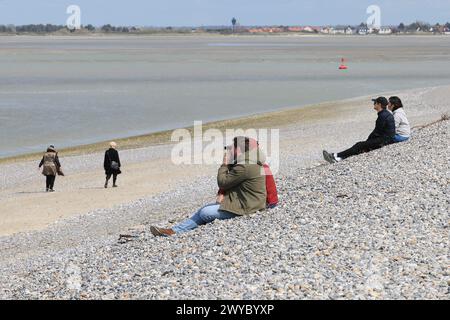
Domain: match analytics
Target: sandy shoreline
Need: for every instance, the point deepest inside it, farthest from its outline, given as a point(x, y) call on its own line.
point(148, 170)
point(281, 117)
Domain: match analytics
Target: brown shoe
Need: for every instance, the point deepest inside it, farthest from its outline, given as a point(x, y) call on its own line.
point(160, 232)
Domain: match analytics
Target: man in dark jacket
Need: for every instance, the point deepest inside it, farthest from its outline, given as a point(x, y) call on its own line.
point(112, 164)
point(382, 135)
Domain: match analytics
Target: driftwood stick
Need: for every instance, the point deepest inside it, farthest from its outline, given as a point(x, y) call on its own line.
point(444, 117)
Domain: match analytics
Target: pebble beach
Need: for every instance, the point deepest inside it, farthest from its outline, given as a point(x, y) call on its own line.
point(372, 227)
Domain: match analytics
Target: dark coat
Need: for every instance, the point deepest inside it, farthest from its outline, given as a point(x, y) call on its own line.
point(110, 156)
point(384, 128)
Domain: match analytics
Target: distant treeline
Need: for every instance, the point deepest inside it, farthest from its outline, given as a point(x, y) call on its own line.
point(108, 28)
point(38, 28)
point(50, 28)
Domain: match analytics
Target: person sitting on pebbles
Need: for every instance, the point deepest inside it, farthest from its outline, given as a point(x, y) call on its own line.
point(243, 181)
point(402, 127)
point(382, 135)
point(271, 187)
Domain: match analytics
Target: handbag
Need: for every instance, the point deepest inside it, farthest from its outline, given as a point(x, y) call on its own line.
point(114, 165)
point(60, 172)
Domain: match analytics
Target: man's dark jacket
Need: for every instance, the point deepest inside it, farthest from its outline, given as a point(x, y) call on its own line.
point(384, 128)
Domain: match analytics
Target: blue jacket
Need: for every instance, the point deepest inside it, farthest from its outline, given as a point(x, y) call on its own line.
point(384, 128)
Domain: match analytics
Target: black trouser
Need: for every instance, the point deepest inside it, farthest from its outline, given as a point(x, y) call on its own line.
point(50, 181)
point(114, 175)
point(363, 146)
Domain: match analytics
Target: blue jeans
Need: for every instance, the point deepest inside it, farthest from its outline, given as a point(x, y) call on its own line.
point(203, 216)
point(399, 138)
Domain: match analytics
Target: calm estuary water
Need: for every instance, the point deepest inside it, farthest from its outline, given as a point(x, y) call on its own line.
point(69, 91)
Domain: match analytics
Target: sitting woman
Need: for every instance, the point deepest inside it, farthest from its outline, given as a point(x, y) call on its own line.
point(243, 181)
point(402, 127)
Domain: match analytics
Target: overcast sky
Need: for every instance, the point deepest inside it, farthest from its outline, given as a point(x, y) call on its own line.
point(220, 12)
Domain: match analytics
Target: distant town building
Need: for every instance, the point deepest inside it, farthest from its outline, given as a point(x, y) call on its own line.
point(363, 31)
point(308, 29)
point(266, 30)
point(385, 30)
point(338, 31)
point(349, 31)
point(295, 29)
point(279, 29)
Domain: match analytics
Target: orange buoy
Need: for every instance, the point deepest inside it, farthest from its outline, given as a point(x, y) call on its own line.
point(343, 66)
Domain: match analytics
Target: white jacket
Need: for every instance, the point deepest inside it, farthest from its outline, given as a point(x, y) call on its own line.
point(402, 126)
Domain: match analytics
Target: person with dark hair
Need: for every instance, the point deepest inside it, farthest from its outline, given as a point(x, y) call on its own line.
point(243, 181)
point(382, 135)
point(51, 167)
point(111, 164)
point(402, 127)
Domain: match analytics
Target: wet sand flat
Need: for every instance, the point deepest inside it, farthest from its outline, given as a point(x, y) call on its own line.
point(72, 91)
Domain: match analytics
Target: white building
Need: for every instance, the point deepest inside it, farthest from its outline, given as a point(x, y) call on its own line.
point(385, 30)
point(338, 31)
point(349, 31)
point(363, 31)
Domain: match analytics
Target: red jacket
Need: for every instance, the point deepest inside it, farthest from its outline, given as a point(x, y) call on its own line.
point(271, 188)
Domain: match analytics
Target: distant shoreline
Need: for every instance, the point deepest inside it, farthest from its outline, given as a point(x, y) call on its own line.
point(265, 119)
point(210, 34)
point(282, 117)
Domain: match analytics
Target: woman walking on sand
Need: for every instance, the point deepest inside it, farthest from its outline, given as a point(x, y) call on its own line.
point(112, 164)
point(52, 167)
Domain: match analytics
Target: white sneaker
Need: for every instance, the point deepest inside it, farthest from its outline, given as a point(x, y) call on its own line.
point(335, 156)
